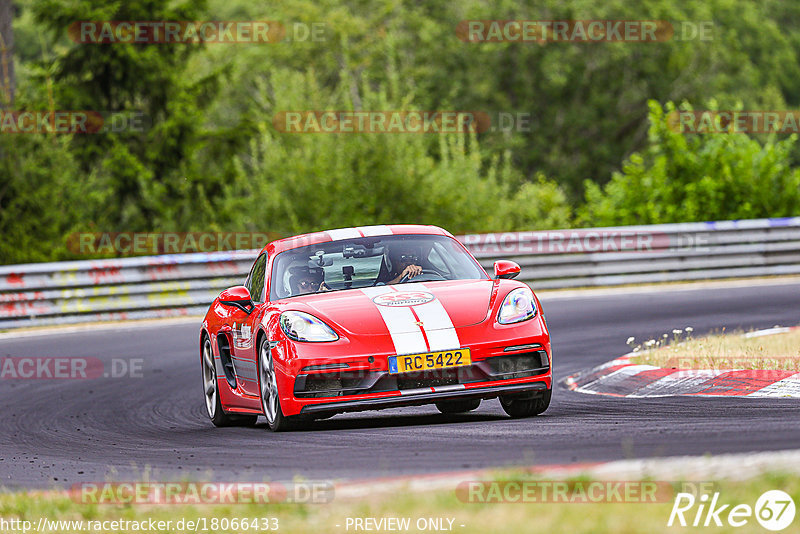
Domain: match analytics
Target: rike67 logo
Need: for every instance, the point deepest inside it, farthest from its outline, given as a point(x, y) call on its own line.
point(774, 510)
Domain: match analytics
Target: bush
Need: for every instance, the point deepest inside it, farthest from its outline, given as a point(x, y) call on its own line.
point(697, 177)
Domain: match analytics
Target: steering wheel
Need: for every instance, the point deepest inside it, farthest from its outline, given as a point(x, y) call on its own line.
point(424, 271)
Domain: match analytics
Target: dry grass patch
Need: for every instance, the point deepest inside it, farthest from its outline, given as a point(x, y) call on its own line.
point(736, 350)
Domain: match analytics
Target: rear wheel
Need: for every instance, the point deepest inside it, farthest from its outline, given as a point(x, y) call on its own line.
point(211, 392)
point(458, 406)
point(268, 386)
point(521, 407)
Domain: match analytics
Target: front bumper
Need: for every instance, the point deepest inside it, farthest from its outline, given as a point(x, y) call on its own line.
point(352, 374)
point(526, 363)
point(425, 396)
point(523, 371)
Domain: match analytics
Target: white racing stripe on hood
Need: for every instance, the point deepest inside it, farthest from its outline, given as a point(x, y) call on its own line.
point(436, 322)
point(400, 321)
point(403, 327)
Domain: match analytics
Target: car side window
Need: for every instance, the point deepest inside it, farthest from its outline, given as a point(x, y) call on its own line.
point(255, 282)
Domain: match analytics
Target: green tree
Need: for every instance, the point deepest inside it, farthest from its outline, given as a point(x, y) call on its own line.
point(150, 172)
point(306, 181)
point(7, 79)
point(211, 159)
point(587, 101)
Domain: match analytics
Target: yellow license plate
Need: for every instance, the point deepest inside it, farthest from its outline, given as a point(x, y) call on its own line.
point(429, 360)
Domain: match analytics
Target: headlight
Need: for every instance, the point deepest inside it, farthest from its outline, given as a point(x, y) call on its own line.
point(517, 307)
point(302, 326)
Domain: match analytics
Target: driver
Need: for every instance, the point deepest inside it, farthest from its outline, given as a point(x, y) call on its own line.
point(309, 281)
point(405, 262)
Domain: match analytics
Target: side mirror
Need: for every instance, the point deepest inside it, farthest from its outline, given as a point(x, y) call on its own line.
point(506, 269)
point(239, 297)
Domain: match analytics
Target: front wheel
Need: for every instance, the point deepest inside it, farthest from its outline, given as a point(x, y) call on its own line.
point(268, 386)
point(211, 391)
point(521, 407)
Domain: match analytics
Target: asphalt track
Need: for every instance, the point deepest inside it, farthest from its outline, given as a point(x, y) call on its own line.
point(58, 432)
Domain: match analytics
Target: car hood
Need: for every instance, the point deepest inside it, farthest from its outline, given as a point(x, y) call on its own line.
point(442, 304)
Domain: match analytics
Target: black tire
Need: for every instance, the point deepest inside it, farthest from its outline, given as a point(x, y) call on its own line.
point(458, 406)
point(214, 408)
point(518, 407)
point(267, 387)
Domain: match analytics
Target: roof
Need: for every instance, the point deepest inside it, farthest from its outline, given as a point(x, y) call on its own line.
point(327, 236)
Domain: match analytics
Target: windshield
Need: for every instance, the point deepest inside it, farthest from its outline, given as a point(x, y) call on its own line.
point(370, 261)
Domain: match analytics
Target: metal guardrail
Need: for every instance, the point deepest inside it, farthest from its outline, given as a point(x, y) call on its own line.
point(107, 290)
point(647, 254)
point(185, 284)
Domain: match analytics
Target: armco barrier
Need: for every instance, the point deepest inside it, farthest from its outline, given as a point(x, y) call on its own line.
point(105, 290)
point(185, 284)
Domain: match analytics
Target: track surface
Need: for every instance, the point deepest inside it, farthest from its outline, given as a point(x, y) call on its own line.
point(58, 432)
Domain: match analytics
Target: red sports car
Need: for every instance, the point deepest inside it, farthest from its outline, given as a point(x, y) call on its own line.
point(368, 318)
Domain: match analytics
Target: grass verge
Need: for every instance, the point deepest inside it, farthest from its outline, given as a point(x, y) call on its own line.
point(601, 517)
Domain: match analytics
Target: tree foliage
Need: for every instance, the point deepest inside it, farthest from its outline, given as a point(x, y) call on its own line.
point(212, 160)
point(699, 177)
